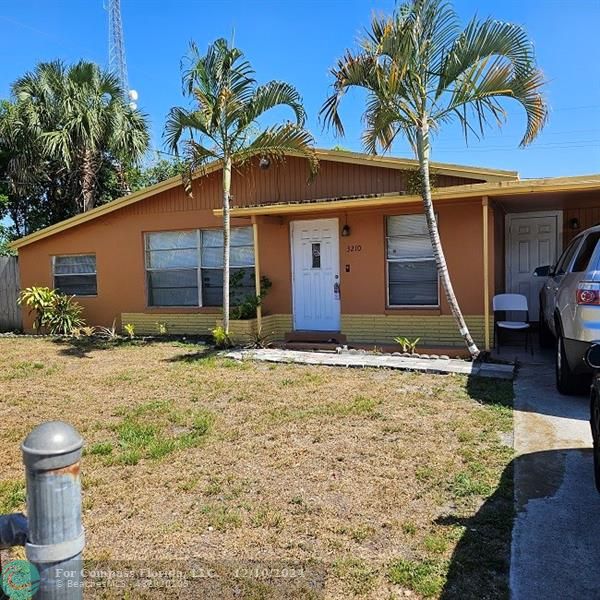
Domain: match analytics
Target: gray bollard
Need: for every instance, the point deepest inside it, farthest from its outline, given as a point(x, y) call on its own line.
point(51, 453)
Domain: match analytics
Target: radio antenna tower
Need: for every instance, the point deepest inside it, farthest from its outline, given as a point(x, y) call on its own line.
point(116, 50)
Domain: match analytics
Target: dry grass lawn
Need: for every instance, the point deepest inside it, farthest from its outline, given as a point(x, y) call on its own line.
point(372, 484)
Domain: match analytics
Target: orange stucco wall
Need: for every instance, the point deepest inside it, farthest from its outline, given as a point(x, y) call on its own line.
point(117, 240)
point(363, 286)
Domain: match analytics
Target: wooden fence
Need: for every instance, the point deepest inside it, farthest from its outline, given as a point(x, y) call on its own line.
point(10, 311)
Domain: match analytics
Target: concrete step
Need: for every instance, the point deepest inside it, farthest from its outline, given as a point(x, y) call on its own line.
point(319, 337)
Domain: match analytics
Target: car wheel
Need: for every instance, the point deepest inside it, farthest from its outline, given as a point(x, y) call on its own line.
point(566, 382)
point(595, 423)
point(545, 335)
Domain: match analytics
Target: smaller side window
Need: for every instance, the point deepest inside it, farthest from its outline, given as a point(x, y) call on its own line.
point(75, 274)
point(567, 256)
point(585, 253)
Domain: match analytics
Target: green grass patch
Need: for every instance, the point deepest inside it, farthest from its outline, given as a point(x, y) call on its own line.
point(357, 575)
point(100, 449)
point(12, 496)
point(426, 577)
point(26, 369)
point(358, 406)
point(222, 518)
point(154, 430)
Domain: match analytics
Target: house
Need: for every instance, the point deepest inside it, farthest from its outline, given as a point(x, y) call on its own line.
point(347, 254)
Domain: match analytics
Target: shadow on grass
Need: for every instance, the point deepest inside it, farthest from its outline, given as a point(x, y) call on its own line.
point(480, 563)
point(204, 354)
point(83, 347)
point(543, 568)
point(491, 392)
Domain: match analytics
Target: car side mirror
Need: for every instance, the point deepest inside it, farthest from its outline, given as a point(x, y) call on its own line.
point(545, 271)
point(592, 356)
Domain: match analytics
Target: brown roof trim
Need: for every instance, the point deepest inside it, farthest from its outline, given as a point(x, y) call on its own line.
point(322, 154)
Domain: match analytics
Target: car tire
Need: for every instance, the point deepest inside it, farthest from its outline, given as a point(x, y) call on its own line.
point(566, 383)
point(595, 424)
point(546, 338)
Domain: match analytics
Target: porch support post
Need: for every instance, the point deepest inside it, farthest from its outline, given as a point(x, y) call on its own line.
point(257, 272)
point(486, 272)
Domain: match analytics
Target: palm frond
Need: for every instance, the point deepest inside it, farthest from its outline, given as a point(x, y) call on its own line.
point(277, 141)
point(269, 95)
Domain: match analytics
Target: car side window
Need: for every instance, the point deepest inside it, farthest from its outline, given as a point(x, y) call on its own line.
point(585, 252)
point(565, 260)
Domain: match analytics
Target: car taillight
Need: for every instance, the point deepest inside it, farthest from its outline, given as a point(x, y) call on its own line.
point(588, 293)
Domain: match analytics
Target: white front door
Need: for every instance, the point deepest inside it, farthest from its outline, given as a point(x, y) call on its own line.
point(315, 275)
point(532, 240)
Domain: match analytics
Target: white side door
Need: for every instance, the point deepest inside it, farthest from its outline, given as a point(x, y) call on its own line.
point(315, 275)
point(532, 241)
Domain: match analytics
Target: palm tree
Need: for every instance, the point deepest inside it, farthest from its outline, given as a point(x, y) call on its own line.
point(223, 125)
point(420, 72)
point(76, 117)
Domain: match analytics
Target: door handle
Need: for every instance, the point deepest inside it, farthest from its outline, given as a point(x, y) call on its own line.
point(336, 290)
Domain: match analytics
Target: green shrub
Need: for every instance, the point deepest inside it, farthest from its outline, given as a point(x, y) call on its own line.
point(162, 328)
point(129, 330)
point(39, 300)
point(58, 313)
point(65, 316)
point(221, 337)
point(406, 344)
point(249, 304)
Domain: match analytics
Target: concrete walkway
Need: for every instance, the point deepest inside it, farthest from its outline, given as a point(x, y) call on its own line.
point(387, 361)
point(556, 536)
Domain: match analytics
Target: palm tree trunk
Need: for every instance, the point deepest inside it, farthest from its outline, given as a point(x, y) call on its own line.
point(226, 240)
point(87, 187)
point(423, 149)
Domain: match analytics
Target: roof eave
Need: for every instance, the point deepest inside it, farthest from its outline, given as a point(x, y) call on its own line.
point(463, 192)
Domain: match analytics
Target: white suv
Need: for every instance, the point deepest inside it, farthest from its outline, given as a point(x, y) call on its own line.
point(570, 309)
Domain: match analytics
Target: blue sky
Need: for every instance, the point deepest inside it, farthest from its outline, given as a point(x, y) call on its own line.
point(299, 40)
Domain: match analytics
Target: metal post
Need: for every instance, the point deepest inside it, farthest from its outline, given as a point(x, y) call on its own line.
point(51, 453)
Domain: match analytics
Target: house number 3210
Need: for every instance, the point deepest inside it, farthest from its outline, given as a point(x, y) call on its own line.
point(353, 248)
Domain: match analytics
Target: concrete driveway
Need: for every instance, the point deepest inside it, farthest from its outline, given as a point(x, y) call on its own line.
point(556, 535)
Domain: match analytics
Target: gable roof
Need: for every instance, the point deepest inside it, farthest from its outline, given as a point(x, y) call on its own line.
point(468, 172)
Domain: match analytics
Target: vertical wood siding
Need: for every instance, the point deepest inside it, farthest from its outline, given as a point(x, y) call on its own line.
point(10, 311)
point(286, 181)
point(587, 217)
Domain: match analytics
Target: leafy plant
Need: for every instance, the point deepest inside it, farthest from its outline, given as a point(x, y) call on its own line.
point(58, 313)
point(86, 331)
point(162, 328)
point(39, 300)
point(258, 339)
point(64, 316)
point(221, 337)
point(406, 344)
point(249, 304)
point(129, 330)
point(108, 333)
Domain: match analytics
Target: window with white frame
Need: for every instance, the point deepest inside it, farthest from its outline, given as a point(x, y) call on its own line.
point(75, 274)
point(185, 268)
point(412, 277)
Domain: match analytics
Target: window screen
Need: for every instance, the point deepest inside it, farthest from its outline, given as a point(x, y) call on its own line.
point(185, 268)
point(241, 260)
point(411, 268)
point(172, 268)
point(75, 274)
